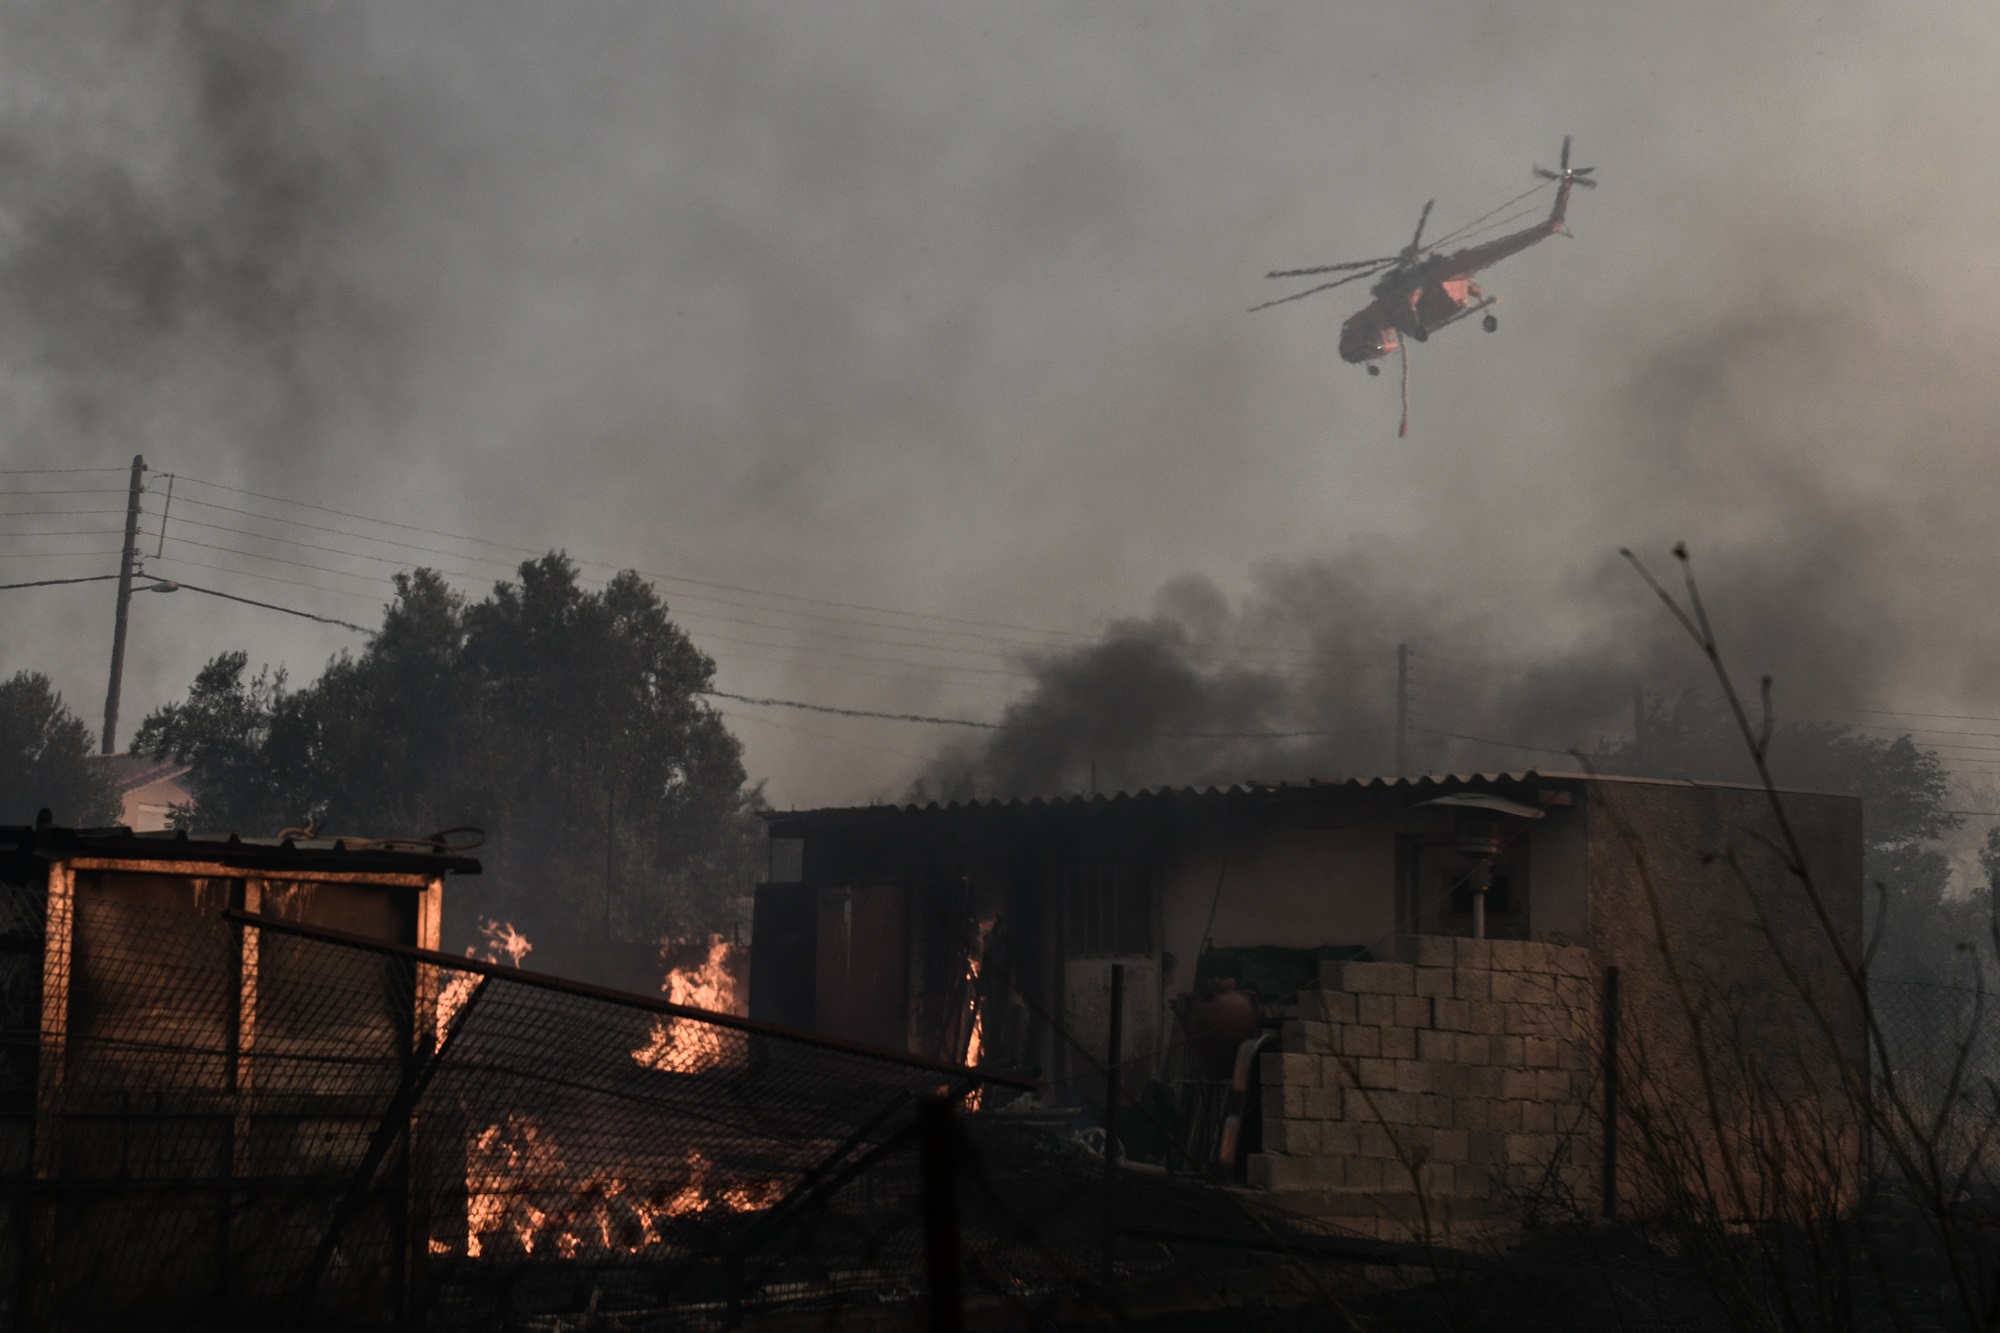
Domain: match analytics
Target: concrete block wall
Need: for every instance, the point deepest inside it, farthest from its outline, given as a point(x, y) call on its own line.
point(1459, 1069)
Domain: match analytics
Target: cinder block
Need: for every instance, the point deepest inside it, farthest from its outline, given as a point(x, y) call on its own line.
point(1413, 1076)
point(1340, 1139)
point(1339, 1006)
point(1505, 1117)
point(1552, 1085)
point(1472, 983)
point(1529, 1149)
point(1362, 1172)
point(1431, 951)
point(1451, 1015)
point(1485, 1080)
point(1574, 962)
point(1576, 993)
point(1472, 1113)
point(1375, 1009)
point(1291, 1100)
point(1436, 1112)
point(1435, 981)
point(1472, 1048)
point(1374, 1074)
point(1284, 1172)
point(1379, 979)
point(1519, 1085)
point(1537, 987)
point(1298, 1137)
point(1530, 1020)
point(1399, 1043)
point(1540, 1052)
point(1413, 1011)
point(1434, 1180)
point(1511, 1052)
point(1312, 1006)
point(1473, 953)
point(1451, 1145)
point(1435, 1045)
point(1372, 1140)
point(1358, 1039)
point(1538, 1118)
point(1506, 985)
point(1324, 1102)
point(1283, 1068)
point(1483, 1016)
point(1314, 1038)
point(1394, 1108)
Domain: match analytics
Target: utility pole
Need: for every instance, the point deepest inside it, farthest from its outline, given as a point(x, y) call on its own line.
point(126, 564)
point(1402, 710)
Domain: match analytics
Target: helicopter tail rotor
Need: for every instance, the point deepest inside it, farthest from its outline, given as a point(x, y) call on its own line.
point(1566, 173)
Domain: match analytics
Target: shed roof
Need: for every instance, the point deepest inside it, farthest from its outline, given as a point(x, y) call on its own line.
point(351, 855)
point(1253, 791)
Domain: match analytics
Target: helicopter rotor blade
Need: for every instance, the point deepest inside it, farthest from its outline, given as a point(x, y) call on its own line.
point(1329, 268)
point(1417, 241)
point(1312, 291)
point(1548, 175)
point(1579, 180)
point(1565, 157)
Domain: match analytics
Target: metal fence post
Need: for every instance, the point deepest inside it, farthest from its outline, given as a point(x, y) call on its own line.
point(937, 1152)
point(1114, 1055)
point(1611, 1092)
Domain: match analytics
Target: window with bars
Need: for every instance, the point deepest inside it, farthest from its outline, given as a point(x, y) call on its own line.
point(1110, 909)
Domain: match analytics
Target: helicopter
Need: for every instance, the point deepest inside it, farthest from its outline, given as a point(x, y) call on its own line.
point(1419, 290)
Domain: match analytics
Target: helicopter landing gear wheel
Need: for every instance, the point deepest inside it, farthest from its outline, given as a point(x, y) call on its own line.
point(1490, 323)
point(1421, 335)
point(1374, 370)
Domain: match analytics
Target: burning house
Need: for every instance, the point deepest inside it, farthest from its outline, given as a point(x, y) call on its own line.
point(1412, 984)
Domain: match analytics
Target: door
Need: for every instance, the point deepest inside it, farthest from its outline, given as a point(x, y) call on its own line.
point(862, 969)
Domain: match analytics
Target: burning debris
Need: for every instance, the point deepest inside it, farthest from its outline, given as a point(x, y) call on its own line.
point(681, 1045)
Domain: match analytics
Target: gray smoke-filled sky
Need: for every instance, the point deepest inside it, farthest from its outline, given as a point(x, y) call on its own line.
point(941, 309)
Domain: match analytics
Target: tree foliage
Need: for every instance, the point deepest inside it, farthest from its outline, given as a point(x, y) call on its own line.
point(46, 760)
point(1905, 807)
point(565, 723)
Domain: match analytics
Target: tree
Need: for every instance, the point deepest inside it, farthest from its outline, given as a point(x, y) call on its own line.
point(1904, 793)
point(567, 724)
point(46, 760)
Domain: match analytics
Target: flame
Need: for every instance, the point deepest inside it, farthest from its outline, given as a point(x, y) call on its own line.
point(975, 1042)
point(687, 1046)
point(604, 1213)
point(501, 938)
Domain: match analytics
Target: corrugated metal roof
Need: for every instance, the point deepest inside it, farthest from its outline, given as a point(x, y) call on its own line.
point(342, 854)
point(1252, 790)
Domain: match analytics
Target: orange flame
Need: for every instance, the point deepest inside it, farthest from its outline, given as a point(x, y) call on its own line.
point(501, 938)
point(604, 1213)
point(686, 1046)
point(975, 1042)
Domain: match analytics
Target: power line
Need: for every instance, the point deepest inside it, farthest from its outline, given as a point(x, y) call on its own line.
point(851, 712)
point(669, 578)
point(54, 555)
point(53, 471)
point(271, 606)
point(47, 583)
